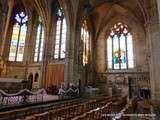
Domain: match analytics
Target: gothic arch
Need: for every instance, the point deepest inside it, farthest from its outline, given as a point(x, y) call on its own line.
point(138, 33)
point(117, 10)
point(68, 10)
point(42, 9)
point(30, 81)
point(36, 77)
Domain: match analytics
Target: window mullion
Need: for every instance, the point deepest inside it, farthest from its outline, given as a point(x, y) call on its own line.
point(112, 53)
point(60, 39)
point(126, 51)
point(119, 53)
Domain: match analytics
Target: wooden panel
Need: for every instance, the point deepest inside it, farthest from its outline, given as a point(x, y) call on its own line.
point(54, 75)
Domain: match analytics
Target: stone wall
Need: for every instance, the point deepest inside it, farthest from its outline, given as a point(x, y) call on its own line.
point(118, 82)
point(15, 71)
point(35, 69)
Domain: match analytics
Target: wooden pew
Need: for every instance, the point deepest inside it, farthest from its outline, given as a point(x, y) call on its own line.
point(42, 116)
point(119, 104)
point(93, 109)
point(29, 118)
point(95, 114)
point(128, 109)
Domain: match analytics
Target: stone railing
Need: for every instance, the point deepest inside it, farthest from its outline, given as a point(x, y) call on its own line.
point(23, 96)
point(69, 93)
point(141, 79)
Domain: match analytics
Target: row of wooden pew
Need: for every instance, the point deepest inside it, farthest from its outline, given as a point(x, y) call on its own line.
point(91, 110)
point(105, 111)
point(127, 111)
point(27, 111)
point(96, 114)
point(150, 109)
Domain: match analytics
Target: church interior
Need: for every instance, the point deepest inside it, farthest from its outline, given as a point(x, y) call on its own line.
point(79, 60)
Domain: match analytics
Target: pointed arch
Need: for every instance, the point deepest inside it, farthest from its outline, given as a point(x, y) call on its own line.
point(18, 37)
point(120, 47)
point(68, 11)
point(101, 49)
point(116, 11)
point(60, 38)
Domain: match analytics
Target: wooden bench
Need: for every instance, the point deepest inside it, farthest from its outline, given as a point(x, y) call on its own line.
point(93, 110)
point(128, 109)
point(95, 114)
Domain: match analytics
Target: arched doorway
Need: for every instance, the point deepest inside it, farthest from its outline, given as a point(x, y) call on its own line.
point(36, 77)
point(30, 81)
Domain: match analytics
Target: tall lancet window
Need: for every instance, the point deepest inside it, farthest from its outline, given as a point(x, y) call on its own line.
point(120, 48)
point(39, 42)
point(61, 29)
point(17, 43)
point(85, 40)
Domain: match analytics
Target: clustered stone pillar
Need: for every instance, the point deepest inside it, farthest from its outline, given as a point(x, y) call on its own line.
point(153, 37)
point(69, 61)
point(153, 31)
point(10, 5)
point(2, 24)
point(158, 5)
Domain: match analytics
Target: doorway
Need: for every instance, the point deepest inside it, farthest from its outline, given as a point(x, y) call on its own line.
point(30, 81)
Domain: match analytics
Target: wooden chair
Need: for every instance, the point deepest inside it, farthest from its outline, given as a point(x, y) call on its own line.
point(30, 118)
point(53, 115)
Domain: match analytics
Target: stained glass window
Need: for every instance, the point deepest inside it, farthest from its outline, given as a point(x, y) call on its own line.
point(18, 38)
point(120, 48)
point(85, 40)
point(39, 42)
point(60, 42)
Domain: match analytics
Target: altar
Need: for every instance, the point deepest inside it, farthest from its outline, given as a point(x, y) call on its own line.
point(11, 85)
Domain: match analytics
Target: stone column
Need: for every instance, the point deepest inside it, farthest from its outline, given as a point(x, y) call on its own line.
point(79, 75)
point(10, 5)
point(158, 5)
point(153, 35)
point(45, 53)
point(69, 60)
point(2, 24)
point(28, 44)
point(153, 40)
